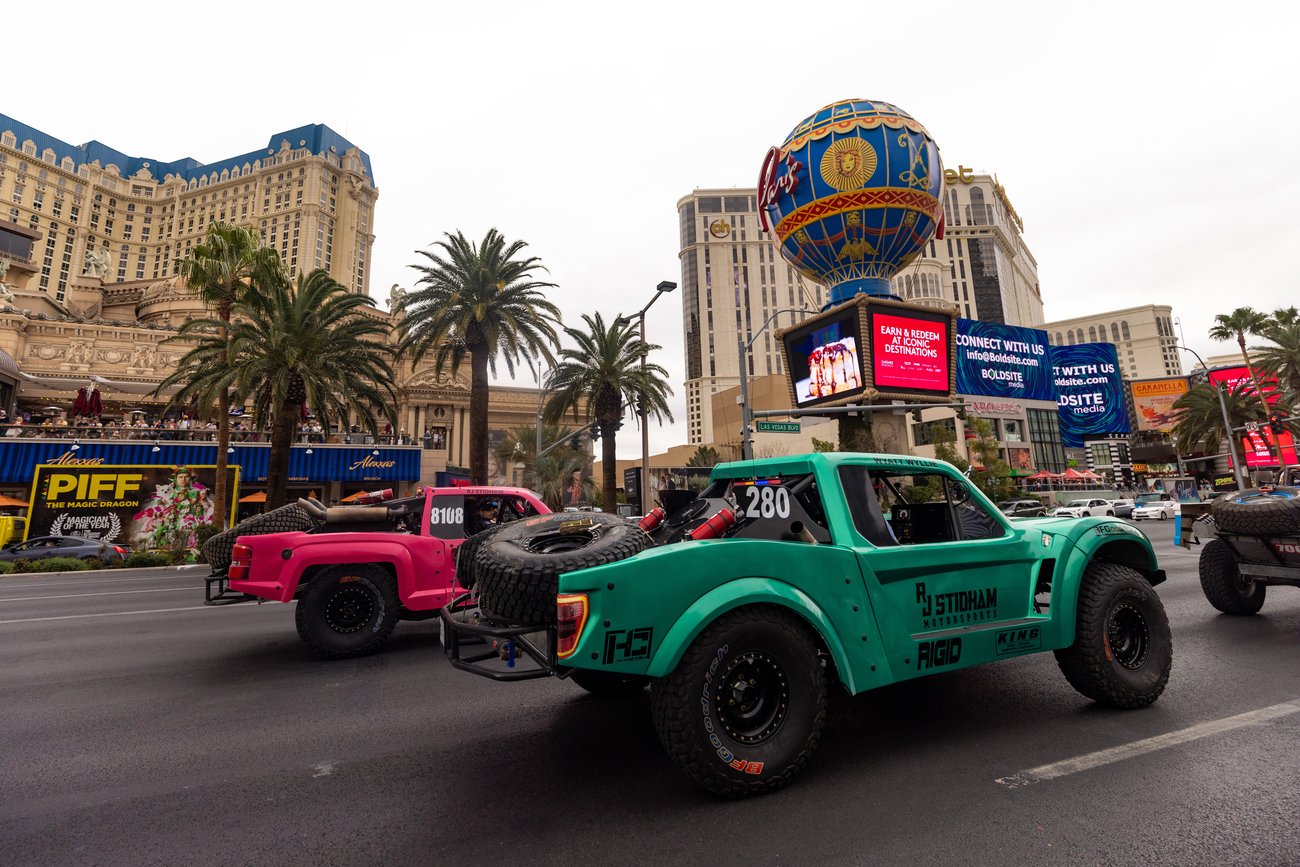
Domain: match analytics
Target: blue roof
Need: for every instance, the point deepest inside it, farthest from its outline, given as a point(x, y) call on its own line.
point(318, 138)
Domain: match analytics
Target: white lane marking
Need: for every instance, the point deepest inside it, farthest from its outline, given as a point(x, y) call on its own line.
point(323, 769)
point(105, 593)
point(1043, 773)
point(170, 576)
point(122, 613)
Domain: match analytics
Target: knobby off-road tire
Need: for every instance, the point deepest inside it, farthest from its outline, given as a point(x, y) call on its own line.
point(467, 551)
point(745, 708)
point(607, 685)
point(347, 611)
point(1258, 513)
point(286, 519)
point(1224, 585)
point(1122, 647)
point(518, 568)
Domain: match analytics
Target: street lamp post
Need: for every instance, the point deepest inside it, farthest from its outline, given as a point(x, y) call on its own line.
point(1238, 470)
point(746, 411)
point(664, 286)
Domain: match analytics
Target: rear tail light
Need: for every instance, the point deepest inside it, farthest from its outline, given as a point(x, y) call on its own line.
point(652, 519)
point(241, 559)
point(119, 549)
point(715, 526)
point(570, 618)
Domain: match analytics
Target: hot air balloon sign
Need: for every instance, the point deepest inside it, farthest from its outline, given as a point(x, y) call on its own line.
point(853, 194)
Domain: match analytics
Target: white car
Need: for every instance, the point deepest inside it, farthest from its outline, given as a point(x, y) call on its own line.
point(1161, 510)
point(1083, 509)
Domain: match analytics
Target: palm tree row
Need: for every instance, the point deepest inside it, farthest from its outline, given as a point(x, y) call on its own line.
point(1200, 417)
point(287, 345)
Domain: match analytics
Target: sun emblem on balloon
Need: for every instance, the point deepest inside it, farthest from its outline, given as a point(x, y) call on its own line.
point(848, 163)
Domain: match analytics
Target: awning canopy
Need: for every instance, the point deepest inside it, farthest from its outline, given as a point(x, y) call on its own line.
point(257, 497)
point(1044, 474)
point(7, 502)
point(1074, 475)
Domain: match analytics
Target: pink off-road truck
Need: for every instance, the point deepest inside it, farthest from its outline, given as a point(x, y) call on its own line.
point(357, 570)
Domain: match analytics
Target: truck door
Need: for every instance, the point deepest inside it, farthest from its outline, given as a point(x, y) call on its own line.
point(945, 571)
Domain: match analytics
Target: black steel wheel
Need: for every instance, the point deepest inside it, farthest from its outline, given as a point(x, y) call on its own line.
point(1122, 649)
point(347, 611)
point(744, 710)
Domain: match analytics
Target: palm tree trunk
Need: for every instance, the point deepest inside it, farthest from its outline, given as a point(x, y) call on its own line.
point(277, 470)
point(1259, 393)
point(478, 415)
point(609, 468)
point(219, 492)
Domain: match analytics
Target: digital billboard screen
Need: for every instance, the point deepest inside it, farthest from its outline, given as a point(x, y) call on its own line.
point(826, 360)
point(1256, 445)
point(1090, 392)
point(996, 360)
point(910, 351)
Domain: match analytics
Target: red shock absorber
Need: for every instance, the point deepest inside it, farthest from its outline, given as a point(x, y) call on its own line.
point(374, 497)
point(715, 526)
point(652, 519)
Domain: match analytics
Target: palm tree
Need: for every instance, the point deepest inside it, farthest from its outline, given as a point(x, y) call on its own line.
point(705, 456)
point(478, 300)
point(519, 446)
point(598, 376)
point(290, 346)
point(1198, 418)
point(219, 270)
point(1235, 326)
point(1282, 359)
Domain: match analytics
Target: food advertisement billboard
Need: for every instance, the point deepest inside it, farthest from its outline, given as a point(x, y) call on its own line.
point(1153, 401)
point(996, 360)
point(825, 359)
point(910, 350)
point(148, 507)
point(1090, 392)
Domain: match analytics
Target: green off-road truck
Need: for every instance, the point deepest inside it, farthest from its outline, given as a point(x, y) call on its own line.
point(743, 606)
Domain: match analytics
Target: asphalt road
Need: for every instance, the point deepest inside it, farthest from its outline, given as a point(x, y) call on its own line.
point(139, 727)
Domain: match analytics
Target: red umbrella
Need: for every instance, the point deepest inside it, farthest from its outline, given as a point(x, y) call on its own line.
point(1080, 475)
point(1044, 474)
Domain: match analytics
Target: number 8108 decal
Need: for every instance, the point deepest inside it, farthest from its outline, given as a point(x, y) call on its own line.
point(768, 501)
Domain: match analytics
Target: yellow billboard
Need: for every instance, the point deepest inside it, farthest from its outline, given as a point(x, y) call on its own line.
point(1153, 401)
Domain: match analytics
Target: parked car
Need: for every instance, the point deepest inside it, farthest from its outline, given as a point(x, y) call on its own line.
point(44, 547)
point(1123, 508)
point(1022, 508)
point(1160, 510)
point(1083, 509)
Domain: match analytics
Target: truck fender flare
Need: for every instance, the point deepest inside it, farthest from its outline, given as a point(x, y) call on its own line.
point(391, 555)
point(738, 594)
point(1121, 549)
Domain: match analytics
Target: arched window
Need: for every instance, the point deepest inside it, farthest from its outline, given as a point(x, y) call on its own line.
point(1123, 329)
point(978, 211)
point(1092, 334)
point(1058, 339)
point(1114, 332)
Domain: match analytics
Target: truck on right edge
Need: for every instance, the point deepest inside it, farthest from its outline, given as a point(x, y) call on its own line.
point(1255, 544)
point(790, 576)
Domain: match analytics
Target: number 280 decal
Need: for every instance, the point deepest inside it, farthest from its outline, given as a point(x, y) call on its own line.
point(767, 501)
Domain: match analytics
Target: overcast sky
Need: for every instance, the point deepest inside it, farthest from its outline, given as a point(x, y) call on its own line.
point(1151, 148)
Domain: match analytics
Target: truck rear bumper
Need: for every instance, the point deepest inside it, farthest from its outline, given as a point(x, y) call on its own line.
point(513, 651)
point(216, 591)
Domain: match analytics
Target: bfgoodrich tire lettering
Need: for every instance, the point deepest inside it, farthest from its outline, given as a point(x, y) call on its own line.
point(1122, 649)
point(1224, 585)
point(744, 710)
point(347, 611)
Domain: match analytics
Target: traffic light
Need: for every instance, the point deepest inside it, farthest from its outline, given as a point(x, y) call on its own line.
point(1275, 423)
point(916, 416)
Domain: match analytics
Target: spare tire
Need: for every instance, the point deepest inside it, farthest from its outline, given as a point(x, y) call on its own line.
point(286, 519)
point(1258, 511)
point(467, 551)
point(518, 567)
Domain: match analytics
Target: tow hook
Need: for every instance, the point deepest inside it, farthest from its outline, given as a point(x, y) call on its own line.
point(509, 652)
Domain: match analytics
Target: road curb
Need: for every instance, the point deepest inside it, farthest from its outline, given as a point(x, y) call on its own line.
point(184, 566)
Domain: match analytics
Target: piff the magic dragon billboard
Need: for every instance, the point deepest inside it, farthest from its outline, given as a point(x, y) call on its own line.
point(147, 507)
